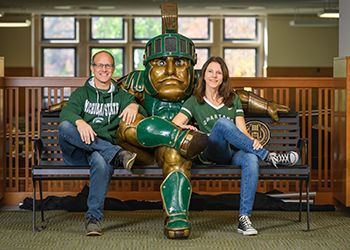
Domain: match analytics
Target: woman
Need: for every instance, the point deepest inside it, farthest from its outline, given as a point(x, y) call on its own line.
point(218, 111)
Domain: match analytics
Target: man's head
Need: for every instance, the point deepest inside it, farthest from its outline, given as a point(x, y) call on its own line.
point(169, 59)
point(102, 66)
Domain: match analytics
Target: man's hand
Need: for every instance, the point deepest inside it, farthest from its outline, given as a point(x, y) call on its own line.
point(87, 134)
point(190, 127)
point(129, 113)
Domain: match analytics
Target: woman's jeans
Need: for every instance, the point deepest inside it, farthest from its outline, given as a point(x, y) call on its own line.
point(228, 145)
point(98, 155)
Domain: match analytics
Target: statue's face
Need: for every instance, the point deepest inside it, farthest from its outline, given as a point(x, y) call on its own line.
point(170, 77)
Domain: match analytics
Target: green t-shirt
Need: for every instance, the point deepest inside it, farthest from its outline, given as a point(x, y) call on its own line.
point(207, 114)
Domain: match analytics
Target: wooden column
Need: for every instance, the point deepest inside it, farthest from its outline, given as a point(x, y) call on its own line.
point(2, 130)
point(341, 191)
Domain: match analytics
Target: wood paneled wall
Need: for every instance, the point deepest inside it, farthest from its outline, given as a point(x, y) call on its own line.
point(314, 98)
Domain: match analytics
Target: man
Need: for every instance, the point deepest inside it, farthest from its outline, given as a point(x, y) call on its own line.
point(89, 122)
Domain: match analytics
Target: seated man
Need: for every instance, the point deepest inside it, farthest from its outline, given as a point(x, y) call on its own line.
point(87, 132)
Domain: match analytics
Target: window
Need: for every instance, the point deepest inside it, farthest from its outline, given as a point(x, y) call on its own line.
point(58, 62)
point(189, 27)
point(107, 28)
point(67, 42)
point(242, 42)
point(202, 57)
point(145, 28)
point(138, 59)
point(59, 28)
point(118, 54)
point(240, 28)
point(241, 62)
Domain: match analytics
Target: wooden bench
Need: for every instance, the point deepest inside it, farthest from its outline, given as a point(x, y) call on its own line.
point(283, 136)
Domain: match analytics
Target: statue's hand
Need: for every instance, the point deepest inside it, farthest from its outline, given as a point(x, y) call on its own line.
point(273, 109)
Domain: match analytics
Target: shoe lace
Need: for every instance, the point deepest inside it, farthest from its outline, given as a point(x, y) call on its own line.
point(245, 221)
point(92, 220)
point(282, 158)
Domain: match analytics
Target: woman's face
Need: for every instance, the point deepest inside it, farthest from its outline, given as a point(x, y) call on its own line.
point(213, 75)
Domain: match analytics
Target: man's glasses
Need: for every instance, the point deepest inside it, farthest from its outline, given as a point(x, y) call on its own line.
point(101, 66)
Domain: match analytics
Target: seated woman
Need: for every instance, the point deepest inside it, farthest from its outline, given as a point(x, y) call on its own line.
point(218, 112)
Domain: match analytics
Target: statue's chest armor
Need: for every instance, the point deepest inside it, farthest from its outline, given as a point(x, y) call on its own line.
point(166, 110)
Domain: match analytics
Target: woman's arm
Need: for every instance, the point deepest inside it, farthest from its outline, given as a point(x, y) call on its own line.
point(240, 123)
point(181, 121)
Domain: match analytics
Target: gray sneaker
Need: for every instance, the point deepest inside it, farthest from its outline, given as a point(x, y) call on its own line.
point(93, 227)
point(286, 159)
point(125, 159)
point(245, 226)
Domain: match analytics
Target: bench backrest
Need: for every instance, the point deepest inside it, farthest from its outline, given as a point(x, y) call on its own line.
point(51, 154)
point(282, 135)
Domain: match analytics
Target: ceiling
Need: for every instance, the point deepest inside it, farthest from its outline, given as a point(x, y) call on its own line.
point(151, 7)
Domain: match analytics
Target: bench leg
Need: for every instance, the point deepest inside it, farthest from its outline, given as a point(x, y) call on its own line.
point(307, 204)
point(300, 198)
point(41, 201)
point(37, 228)
point(34, 207)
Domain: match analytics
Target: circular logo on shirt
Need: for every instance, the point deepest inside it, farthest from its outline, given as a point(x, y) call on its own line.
point(259, 131)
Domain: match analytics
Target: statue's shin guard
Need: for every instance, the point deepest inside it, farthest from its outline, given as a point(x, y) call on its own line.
point(155, 131)
point(176, 194)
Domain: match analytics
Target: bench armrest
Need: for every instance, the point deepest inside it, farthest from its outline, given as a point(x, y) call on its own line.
point(303, 145)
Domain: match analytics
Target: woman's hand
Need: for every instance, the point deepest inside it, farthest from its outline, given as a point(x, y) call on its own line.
point(129, 113)
point(257, 145)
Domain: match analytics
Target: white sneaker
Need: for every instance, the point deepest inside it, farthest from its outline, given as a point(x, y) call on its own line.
point(245, 226)
point(285, 159)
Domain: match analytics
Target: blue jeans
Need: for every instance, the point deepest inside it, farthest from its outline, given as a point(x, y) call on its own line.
point(98, 155)
point(228, 145)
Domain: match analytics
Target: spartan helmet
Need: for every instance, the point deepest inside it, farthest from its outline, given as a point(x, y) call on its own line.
point(169, 44)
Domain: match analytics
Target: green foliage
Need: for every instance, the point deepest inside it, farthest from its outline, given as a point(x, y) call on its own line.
point(147, 27)
point(107, 27)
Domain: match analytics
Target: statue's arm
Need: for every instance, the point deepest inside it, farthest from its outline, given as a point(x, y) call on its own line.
point(255, 104)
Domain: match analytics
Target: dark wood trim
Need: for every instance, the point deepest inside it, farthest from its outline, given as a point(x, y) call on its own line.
point(19, 71)
point(300, 71)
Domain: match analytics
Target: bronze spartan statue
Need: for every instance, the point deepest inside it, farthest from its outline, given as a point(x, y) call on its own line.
point(161, 89)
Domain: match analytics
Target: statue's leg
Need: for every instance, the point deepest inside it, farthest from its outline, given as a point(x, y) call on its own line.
point(127, 139)
point(176, 192)
point(155, 131)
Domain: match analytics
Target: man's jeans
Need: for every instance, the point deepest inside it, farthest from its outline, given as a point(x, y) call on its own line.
point(228, 145)
point(98, 155)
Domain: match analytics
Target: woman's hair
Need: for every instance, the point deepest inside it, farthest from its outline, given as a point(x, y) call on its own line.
point(224, 89)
